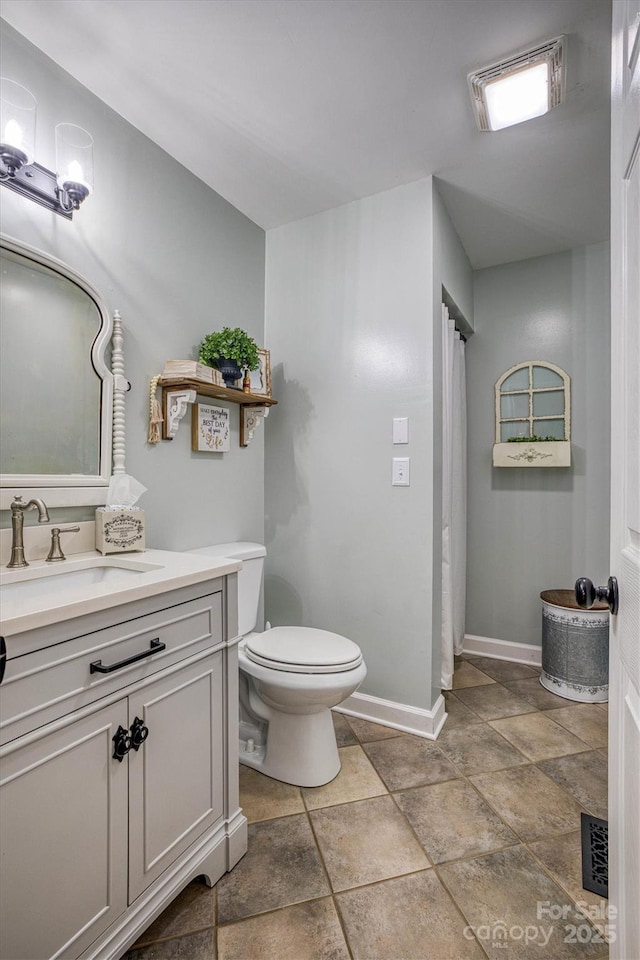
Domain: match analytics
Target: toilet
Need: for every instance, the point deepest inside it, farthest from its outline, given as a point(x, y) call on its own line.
point(290, 678)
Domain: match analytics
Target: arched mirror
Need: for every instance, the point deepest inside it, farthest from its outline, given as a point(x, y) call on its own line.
point(56, 390)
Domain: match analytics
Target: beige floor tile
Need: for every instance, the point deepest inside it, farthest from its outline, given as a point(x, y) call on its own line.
point(366, 731)
point(366, 841)
point(409, 762)
point(357, 780)
point(407, 917)
point(537, 736)
point(345, 736)
point(192, 910)
point(457, 714)
point(538, 696)
point(506, 889)
point(281, 867)
point(308, 930)
point(562, 857)
point(262, 798)
point(452, 821)
point(494, 701)
point(502, 670)
point(196, 946)
point(531, 803)
point(584, 776)
point(466, 675)
point(478, 748)
point(586, 720)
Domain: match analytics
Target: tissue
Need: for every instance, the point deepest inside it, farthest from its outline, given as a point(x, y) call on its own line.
point(120, 526)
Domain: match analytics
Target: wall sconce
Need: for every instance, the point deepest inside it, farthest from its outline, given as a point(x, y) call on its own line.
point(63, 191)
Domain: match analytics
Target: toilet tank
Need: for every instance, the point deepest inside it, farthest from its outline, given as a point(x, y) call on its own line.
point(249, 577)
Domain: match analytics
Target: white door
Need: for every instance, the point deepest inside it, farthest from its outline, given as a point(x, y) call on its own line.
point(624, 707)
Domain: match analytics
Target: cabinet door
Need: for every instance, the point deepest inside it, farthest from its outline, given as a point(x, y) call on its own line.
point(176, 776)
point(63, 834)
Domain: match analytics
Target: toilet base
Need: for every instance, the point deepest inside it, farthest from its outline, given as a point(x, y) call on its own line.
point(298, 749)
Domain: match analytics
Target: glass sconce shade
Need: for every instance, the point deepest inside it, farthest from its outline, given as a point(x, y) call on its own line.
point(17, 125)
point(74, 161)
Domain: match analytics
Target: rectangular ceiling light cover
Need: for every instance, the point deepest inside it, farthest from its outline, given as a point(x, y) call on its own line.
point(519, 88)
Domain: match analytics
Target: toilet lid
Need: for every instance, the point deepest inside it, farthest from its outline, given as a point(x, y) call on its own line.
point(303, 650)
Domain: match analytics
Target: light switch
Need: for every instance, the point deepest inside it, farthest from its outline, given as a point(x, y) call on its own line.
point(400, 472)
point(401, 430)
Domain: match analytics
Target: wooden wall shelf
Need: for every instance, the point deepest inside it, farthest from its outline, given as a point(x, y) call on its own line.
point(179, 392)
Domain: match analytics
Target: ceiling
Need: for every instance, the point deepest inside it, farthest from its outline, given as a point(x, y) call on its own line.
point(290, 107)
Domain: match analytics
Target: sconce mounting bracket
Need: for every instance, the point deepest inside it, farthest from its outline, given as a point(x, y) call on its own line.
point(40, 184)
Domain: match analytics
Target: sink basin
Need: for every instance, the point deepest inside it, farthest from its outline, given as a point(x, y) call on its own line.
point(43, 594)
point(33, 582)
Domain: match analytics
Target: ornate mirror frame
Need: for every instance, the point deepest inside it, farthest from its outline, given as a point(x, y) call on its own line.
point(77, 490)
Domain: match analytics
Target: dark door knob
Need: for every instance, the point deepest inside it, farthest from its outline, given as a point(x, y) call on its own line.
point(587, 594)
point(139, 733)
point(121, 744)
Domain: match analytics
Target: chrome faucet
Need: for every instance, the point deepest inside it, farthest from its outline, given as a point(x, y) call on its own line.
point(18, 509)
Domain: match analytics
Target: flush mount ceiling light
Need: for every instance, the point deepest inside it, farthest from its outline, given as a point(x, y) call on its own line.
point(520, 88)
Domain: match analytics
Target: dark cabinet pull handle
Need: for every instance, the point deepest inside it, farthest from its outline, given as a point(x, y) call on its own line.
point(3, 657)
point(139, 733)
point(154, 647)
point(587, 594)
point(121, 744)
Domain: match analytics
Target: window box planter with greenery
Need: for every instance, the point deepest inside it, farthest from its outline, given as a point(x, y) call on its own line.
point(532, 452)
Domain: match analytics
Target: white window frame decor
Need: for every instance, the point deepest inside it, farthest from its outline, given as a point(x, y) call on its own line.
point(532, 452)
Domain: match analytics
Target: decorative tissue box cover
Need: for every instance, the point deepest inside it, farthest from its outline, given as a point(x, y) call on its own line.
point(119, 529)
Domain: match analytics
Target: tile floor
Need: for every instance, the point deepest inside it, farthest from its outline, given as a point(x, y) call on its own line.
point(458, 849)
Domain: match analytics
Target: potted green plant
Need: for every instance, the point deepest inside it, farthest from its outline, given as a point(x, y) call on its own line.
point(230, 351)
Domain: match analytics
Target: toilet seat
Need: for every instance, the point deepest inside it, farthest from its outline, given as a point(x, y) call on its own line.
point(302, 650)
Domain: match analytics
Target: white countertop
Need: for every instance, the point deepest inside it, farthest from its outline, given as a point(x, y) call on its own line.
point(159, 571)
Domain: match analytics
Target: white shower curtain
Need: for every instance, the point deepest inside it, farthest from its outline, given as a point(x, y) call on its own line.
point(454, 496)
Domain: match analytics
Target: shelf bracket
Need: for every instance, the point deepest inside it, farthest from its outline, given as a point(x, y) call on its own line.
point(250, 419)
point(174, 407)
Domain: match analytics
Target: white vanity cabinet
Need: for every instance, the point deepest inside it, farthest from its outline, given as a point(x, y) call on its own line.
point(118, 787)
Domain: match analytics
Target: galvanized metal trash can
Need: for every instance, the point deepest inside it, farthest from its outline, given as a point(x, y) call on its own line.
point(575, 648)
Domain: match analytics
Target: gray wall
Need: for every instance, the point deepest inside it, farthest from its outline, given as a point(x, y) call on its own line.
point(178, 261)
point(349, 319)
point(532, 529)
point(453, 269)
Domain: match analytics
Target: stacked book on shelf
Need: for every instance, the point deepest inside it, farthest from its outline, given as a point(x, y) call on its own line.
point(191, 370)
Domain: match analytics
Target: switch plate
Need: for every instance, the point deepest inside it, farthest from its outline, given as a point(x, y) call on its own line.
point(400, 472)
point(401, 430)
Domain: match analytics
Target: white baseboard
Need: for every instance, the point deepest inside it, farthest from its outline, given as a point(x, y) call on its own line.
point(503, 650)
point(399, 716)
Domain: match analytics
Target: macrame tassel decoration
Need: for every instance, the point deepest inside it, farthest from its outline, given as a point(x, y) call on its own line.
point(155, 413)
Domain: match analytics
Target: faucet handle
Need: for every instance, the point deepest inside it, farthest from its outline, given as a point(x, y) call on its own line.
point(55, 553)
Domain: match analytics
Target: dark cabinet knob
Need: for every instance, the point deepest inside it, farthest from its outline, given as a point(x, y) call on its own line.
point(121, 744)
point(587, 594)
point(139, 733)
